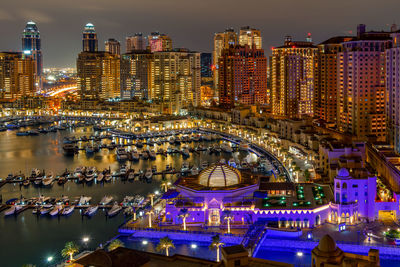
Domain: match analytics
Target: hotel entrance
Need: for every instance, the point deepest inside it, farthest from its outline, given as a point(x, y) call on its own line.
point(214, 217)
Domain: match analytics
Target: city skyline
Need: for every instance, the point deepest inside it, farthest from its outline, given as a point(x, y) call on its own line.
point(60, 31)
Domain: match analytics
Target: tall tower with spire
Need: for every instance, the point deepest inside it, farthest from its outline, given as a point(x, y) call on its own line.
point(90, 42)
point(31, 45)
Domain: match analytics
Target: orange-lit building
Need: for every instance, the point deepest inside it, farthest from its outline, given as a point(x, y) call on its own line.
point(242, 76)
point(17, 75)
point(361, 85)
point(222, 40)
point(99, 75)
point(250, 37)
point(325, 106)
point(159, 42)
point(293, 72)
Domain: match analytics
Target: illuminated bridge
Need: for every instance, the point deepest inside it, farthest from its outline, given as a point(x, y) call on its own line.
point(61, 89)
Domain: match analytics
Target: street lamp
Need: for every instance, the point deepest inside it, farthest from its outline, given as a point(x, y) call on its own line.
point(50, 259)
point(85, 241)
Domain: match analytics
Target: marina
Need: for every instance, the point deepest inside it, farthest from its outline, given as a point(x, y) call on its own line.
point(45, 152)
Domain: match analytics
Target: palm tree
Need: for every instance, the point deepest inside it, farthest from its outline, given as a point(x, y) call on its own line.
point(184, 213)
point(150, 212)
point(69, 250)
point(216, 244)
point(165, 184)
point(116, 243)
point(165, 244)
point(228, 217)
point(151, 196)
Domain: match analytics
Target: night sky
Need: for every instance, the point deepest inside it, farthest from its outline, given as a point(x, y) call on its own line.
point(190, 23)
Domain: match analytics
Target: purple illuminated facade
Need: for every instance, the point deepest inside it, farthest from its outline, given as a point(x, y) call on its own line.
point(222, 191)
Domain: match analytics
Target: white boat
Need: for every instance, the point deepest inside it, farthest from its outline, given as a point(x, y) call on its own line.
point(244, 146)
point(12, 210)
point(121, 154)
point(131, 175)
point(149, 173)
point(38, 180)
point(128, 201)
point(114, 210)
point(171, 140)
point(78, 171)
point(226, 148)
point(48, 179)
point(45, 210)
point(68, 210)
point(90, 174)
point(35, 173)
point(83, 200)
point(91, 210)
point(100, 177)
point(106, 200)
point(122, 170)
point(138, 200)
point(56, 210)
point(89, 179)
point(107, 177)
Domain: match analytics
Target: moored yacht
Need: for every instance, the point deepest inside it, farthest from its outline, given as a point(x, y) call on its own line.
point(114, 210)
point(91, 210)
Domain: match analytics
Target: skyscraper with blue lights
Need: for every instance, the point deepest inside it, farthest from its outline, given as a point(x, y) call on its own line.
point(31, 45)
point(90, 42)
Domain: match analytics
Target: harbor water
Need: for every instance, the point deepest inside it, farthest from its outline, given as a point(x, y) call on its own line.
point(30, 239)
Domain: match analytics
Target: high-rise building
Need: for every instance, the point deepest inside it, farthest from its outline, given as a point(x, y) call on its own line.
point(325, 95)
point(99, 75)
point(175, 79)
point(293, 70)
point(17, 75)
point(138, 83)
point(222, 40)
point(242, 76)
point(392, 91)
point(136, 43)
point(90, 42)
point(31, 45)
point(113, 46)
point(361, 85)
point(206, 62)
point(250, 37)
point(159, 42)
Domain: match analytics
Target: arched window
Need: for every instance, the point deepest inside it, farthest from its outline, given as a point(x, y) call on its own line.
point(337, 185)
point(344, 186)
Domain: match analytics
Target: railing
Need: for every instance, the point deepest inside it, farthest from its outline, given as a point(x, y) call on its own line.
point(178, 231)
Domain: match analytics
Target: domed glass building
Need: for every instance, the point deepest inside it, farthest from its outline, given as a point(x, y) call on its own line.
point(221, 190)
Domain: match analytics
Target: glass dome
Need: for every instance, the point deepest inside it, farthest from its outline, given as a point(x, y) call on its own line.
point(220, 175)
